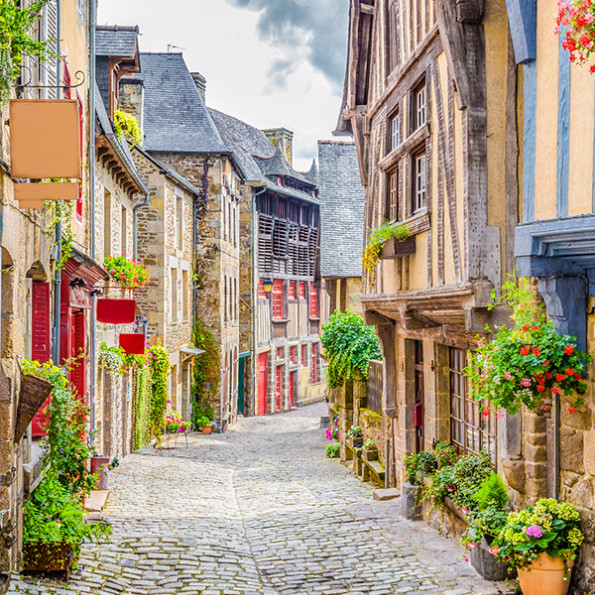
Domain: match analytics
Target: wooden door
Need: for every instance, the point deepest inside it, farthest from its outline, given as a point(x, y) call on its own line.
point(418, 407)
point(78, 374)
point(262, 384)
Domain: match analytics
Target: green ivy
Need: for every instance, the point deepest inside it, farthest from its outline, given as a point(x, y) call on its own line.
point(17, 40)
point(66, 452)
point(138, 366)
point(127, 127)
point(349, 345)
point(160, 365)
point(206, 374)
point(60, 211)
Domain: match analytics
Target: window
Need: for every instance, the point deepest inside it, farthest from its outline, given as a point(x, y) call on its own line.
point(279, 352)
point(173, 299)
point(304, 355)
point(107, 223)
point(302, 291)
point(391, 206)
point(293, 354)
point(179, 222)
point(395, 126)
point(278, 299)
point(124, 231)
point(470, 431)
point(420, 106)
point(313, 301)
point(291, 291)
point(185, 296)
point(419, 181)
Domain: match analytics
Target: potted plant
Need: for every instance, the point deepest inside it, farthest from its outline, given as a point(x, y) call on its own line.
point(370, 452)
point(356, 438)
point(417, 466)
point(203, 423)
point(128, 275)
point(333, 450)
point(332, 432)
point(174, 424)
point(541, 543)
point(390, 232)
point(54, 527)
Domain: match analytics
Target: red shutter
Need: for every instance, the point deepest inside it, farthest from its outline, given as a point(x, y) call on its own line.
point(278, 385)
point(313, 301)
point(278, 299)
point(40, 343)
point(262, 384)
point(261, 292)
point(291, 291)
point(314, 363)
point(302, 290)
point(291, 388)
point(78, 375)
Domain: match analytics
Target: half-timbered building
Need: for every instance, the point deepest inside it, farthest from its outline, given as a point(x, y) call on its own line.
point(427, 87)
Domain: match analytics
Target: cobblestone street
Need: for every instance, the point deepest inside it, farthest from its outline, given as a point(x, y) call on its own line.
point(258, 510)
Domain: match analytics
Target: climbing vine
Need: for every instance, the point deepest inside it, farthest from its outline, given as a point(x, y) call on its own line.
point(159, 362)
point(17, 40)
point(60, 211)
point(138, 367)
point(207, 371)
point(349, 345)
point(127, 127)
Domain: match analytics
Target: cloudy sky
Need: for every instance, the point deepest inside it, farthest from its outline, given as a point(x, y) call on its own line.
point(271, 63)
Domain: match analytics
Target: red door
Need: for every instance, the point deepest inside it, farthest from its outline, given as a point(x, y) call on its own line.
point(40, 343)
point(78, 375)
point(278, 387)
point(291, 388)
point(262, 384)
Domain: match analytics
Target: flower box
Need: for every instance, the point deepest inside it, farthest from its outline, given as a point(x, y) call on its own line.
point(132, 343)
point(395, 248)
point(486, 564)
point(370, 455)
point(39, 556)
point(116, 311)
point(356, 441)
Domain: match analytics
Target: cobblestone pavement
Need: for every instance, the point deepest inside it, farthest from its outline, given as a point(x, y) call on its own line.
point(258, 510)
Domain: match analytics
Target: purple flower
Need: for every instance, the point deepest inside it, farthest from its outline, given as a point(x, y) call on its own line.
point(534, 531)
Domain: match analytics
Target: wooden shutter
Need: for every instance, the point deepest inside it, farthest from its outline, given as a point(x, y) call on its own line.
point(50, 33)
point(261, 292)
point(78, 374)
point(278, 299)
point(291, 291)
point(262, 384)
point(40, 344)
point(313, 301)
point(314, 363)
point(278, 387)
point(302, 291)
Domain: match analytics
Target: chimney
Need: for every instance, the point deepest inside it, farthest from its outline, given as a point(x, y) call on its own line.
point(201, 84)
point(131, 99)
point(282, 138)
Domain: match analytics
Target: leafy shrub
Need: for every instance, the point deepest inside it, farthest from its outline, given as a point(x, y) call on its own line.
point(419, 465)
point(446, 454)
point(333, 450)
point(206, 373)
point(202, 421)
point(138, 366)
point(127, 127)
point(159, 362)
point(349, 345)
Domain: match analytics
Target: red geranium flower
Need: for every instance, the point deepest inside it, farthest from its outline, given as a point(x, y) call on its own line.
point(569, 371)
point(535, 351)
point(569, 350)
point(560, 377)
point(524, 351)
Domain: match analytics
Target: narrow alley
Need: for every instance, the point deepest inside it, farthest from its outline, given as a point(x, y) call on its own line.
point(258, 510)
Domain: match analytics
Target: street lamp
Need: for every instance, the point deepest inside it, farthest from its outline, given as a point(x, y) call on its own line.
point(267, 285)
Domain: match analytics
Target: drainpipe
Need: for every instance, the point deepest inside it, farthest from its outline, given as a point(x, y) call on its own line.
point(91, 184)
point(58, 271)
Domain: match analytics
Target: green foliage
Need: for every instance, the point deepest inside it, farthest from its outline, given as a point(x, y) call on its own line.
point(528, 363)
point(54, 514)
point(65, 451)
point(128, 274)
point(127, 127)
point(17, 40)
point(446, 454)
point(355, 432)
point(333, 450)
point(111, 359)
point(369, 445)
point(206, 374)
point(419, 465)
point(160, 365)
point(202, 421)
point(492, 492)
point(138, 366)
point(349, 345)
point(60, 211)
point(174, 423)
point(377, 238)
point(549, 526)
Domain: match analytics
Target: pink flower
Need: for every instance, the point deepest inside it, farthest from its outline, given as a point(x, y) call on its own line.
point(534, 531)
point(526, 382)
point(507, 375)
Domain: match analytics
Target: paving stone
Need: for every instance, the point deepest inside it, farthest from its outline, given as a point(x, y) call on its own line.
point(258, 511)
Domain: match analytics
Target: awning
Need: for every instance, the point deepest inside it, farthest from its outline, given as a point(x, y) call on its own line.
point(191, 351)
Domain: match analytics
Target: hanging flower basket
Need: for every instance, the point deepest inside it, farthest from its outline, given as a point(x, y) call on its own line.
point(132, 343)
point(34, 392)
point(114, 311)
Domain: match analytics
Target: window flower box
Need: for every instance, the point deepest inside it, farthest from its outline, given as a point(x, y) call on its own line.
point(40, 556)
point(396, 248)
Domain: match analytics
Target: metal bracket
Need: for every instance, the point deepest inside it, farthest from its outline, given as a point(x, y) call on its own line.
point(79, 75)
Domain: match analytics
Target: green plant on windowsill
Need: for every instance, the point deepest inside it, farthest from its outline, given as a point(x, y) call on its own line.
point(377, 239)
point(127, 127)
point(355, 432)
point(333, 450)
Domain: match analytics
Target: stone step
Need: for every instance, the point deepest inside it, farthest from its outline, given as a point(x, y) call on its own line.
point(386, 494)
point(376, 467)
point(96, 500)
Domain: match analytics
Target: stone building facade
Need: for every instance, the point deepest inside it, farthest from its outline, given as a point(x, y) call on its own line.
point(280, 240)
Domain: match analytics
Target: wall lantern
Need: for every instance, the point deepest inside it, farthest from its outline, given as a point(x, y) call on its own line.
point(267, 285)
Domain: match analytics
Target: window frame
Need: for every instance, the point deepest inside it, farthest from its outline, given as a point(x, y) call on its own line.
point(419, 156)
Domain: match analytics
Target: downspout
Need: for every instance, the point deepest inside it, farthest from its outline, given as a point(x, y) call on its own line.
point(91, 184)
point(58, 271)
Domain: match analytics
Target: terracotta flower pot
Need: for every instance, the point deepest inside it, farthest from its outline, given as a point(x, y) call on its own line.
point(207, 429)
point(98, 465)
point(545, 576)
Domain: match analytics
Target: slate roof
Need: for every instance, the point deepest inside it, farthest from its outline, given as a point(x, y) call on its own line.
point(175, 116)
point(341, 210)
point(259, 158)
point(115, 40)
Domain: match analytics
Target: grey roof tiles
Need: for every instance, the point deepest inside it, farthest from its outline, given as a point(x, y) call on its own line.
point(115, 40)
point(341, 210)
